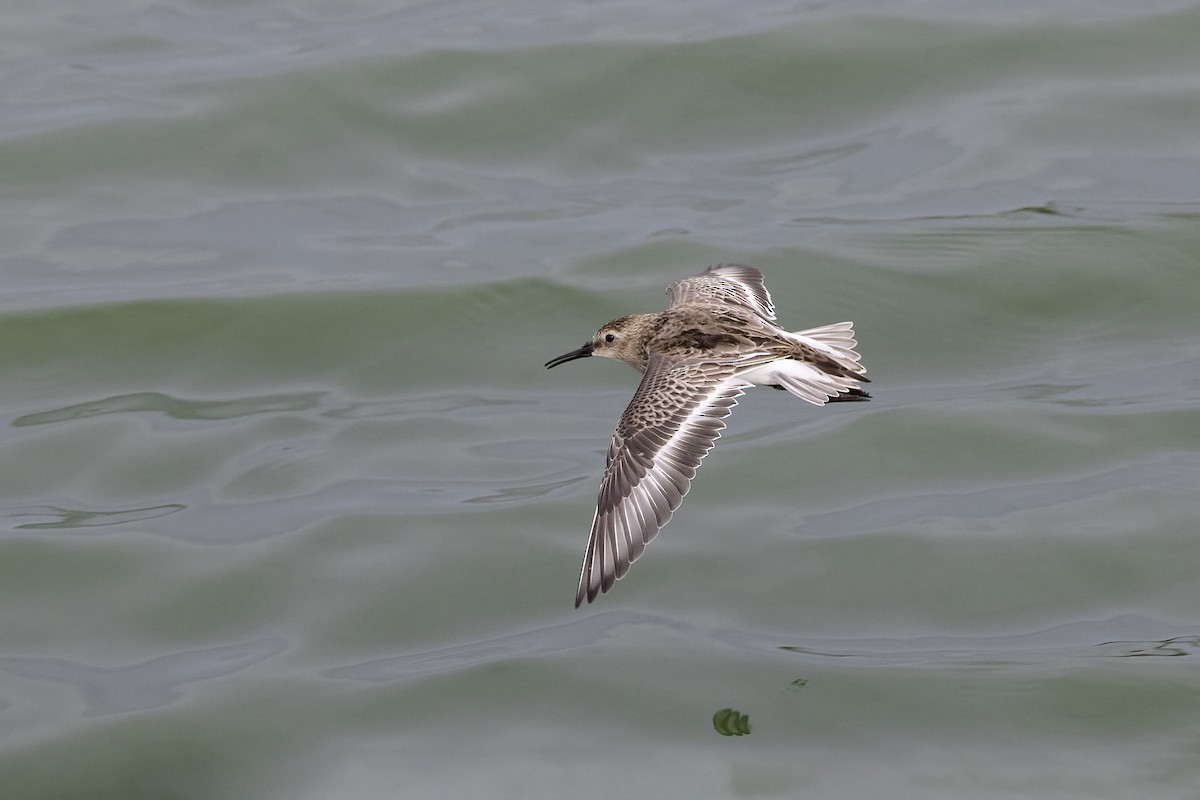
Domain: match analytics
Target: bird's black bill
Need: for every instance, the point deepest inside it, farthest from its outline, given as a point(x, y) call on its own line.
point(582, 352)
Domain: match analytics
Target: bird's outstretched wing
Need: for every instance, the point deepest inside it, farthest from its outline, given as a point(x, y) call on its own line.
point(733, 284)
point(672, 422)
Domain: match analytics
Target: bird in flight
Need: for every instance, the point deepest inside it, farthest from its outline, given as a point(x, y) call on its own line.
point(717, 338)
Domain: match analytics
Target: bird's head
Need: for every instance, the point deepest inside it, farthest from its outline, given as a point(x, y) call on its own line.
point(620, 339)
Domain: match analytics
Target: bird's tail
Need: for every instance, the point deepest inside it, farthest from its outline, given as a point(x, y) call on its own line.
point(836, 341)
point(819, 384)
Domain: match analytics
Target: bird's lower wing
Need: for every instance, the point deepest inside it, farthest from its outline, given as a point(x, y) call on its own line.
point(668, 428)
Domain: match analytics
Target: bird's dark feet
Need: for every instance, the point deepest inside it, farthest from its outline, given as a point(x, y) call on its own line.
point(849, 396)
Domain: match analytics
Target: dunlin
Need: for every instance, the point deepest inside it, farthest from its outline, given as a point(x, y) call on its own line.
point(717, 337)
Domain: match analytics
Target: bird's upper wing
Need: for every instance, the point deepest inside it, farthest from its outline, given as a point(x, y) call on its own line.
point(669, 426)
point(733, 284)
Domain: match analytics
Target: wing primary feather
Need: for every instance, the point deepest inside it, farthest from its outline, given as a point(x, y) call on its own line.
point(651, 463)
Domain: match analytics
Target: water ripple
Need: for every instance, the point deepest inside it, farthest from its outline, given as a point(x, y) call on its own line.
point(174, 407)
point(147, 684)
point(1067, 642)
point(60, 518)
point(552, 638)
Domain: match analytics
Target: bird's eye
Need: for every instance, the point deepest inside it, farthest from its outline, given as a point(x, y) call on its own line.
point(608, 337)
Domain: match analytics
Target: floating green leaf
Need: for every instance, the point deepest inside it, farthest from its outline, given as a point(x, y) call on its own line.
point(729, 722)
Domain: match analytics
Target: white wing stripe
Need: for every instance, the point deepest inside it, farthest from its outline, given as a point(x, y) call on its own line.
point(620, 534)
